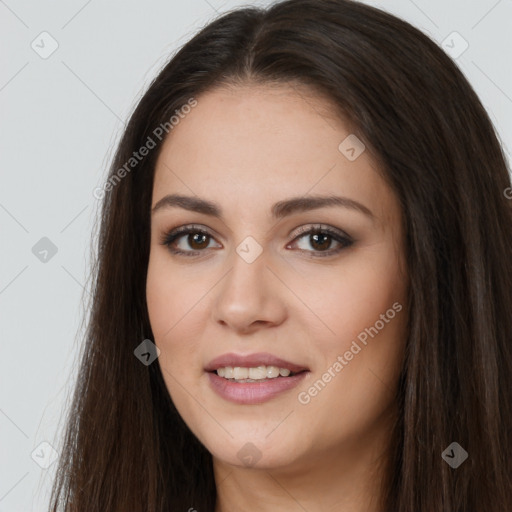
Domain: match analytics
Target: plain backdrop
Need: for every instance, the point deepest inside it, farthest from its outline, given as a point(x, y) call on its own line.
point(71, 75)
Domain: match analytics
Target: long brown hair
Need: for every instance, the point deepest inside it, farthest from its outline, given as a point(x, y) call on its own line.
point(127, 448)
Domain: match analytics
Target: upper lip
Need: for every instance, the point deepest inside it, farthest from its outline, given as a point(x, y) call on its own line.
point(252, 361)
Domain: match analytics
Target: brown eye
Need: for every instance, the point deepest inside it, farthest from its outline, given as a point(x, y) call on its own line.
point(197, 241)
point(187, 240)
point(319, 240)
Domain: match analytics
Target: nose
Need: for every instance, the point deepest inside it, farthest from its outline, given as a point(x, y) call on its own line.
point(250, 296)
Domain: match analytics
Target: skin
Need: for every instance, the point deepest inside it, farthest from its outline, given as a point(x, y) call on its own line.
point(246, 148)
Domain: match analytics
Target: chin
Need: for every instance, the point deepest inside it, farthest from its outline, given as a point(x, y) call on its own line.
point(254, 452)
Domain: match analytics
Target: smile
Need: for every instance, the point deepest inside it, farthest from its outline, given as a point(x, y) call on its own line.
point(253, 378)
point(241, 374)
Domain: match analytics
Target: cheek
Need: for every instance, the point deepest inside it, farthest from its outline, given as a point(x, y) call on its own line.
point(173, 296)
point(175, 309)
point(351, 297)
point(364, 307)
point(179, 310)
point(160, 297)
point(176, 319)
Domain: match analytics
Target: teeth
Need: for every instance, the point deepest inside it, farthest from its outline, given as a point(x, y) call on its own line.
point(252, 374)
point(258, 373)
point(240, 373)
point(272, 371)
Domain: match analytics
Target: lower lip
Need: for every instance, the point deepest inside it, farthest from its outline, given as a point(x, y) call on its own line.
point(253, 392)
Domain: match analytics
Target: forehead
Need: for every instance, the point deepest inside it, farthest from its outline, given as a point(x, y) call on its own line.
point(239, 129)
point(255, 145)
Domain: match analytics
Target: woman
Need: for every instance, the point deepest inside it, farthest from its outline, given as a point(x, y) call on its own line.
point(303, 293)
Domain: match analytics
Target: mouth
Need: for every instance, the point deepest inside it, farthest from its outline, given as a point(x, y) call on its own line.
point(253, 379)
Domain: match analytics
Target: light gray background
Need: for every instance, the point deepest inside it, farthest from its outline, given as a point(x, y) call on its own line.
point(60, 120)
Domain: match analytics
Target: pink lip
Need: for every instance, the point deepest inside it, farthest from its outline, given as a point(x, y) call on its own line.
point(249, 393)
point(253, 392)
point(252, 361)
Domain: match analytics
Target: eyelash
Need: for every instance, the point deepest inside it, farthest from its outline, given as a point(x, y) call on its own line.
point(168, 238)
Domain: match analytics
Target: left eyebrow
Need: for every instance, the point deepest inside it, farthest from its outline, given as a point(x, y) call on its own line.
point(279, 210)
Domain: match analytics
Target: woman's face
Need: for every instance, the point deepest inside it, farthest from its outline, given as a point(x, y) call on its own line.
point(331, 302)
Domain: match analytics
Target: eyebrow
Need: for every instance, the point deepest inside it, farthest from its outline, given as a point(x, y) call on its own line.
point(279, 210)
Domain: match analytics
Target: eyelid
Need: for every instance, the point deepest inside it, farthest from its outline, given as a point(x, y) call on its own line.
point(322, 228)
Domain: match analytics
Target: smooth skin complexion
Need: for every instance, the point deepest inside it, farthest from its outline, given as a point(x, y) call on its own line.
point(304, 299)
